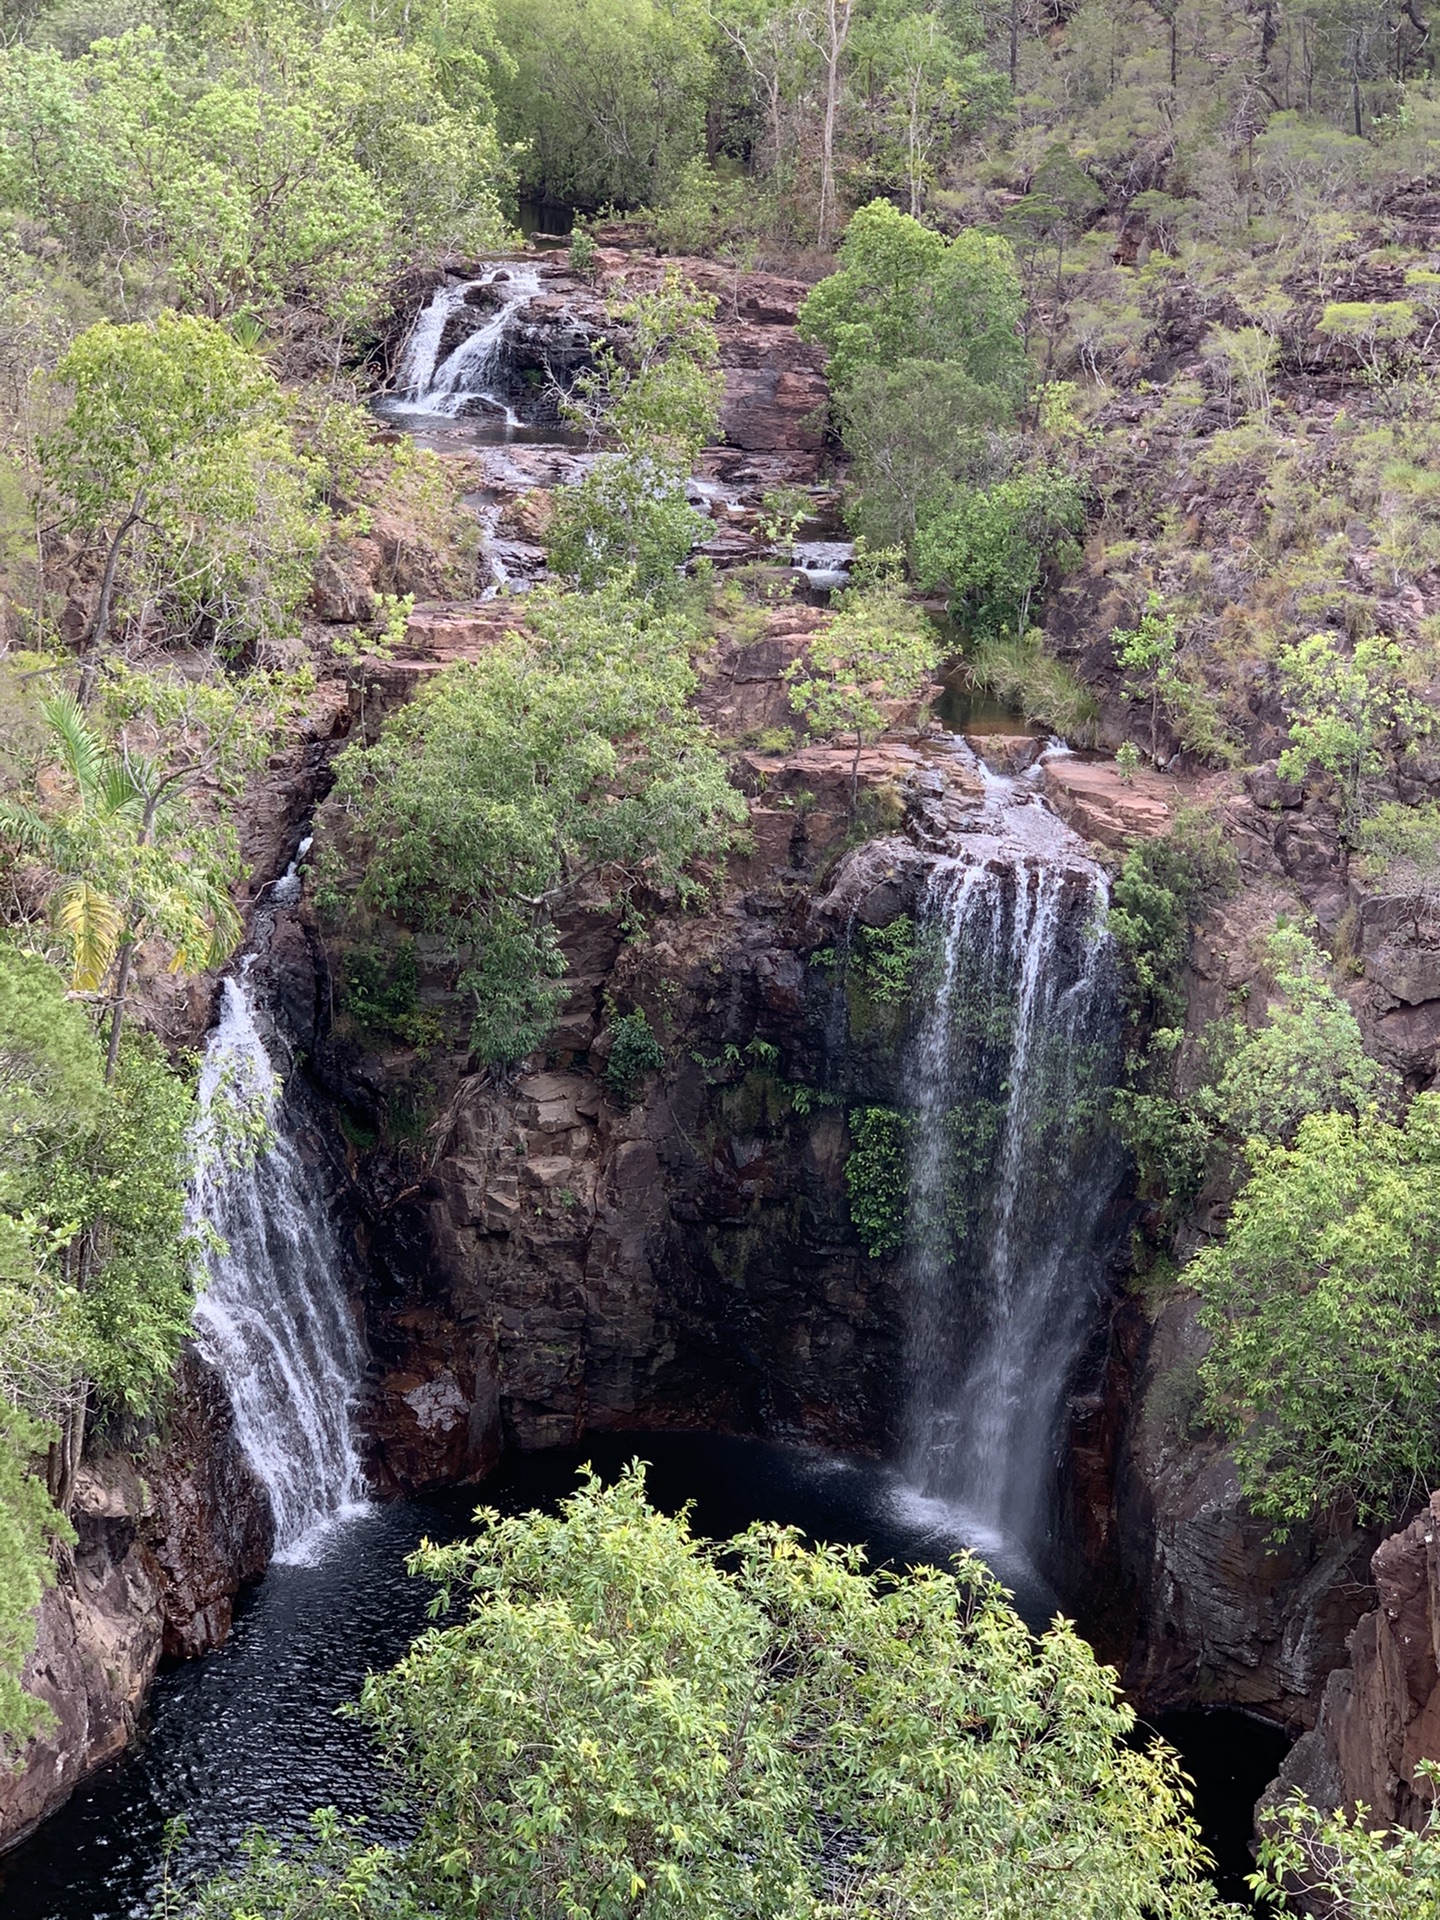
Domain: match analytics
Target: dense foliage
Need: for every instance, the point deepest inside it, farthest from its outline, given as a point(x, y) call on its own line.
point(97, 1265)
point(629, 519)
point(626, 1721)
point(568, 753)
point(1322, 1300)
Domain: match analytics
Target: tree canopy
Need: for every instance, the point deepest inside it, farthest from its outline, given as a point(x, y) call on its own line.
point(627, 1720)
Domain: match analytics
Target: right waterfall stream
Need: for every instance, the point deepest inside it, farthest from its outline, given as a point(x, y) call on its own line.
point(1012, 1165)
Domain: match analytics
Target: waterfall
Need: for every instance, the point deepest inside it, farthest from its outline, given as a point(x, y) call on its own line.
point(426, 383)
point(1011, 1168)
point(273, 1319)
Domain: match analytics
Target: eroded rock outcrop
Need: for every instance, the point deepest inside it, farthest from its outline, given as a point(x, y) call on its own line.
point(158, 1557)
point(1380, 1714)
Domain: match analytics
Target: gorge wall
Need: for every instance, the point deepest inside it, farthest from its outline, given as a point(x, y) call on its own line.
point(544, 1257)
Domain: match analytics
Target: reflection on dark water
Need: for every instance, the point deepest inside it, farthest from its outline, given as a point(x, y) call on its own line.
point(250, 1734)
point(1232, 1757)
point(965, 708)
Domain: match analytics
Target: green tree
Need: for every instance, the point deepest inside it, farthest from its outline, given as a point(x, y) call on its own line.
point(1309, 1057)
point(936, 88)
point(904, 292)
point(255, 160)
point(626, 1721)
point(568, 752)
point(1343, 711)
point(658, 392)
point(96, 1268)
point(1323, 1303)
point(991, 549)
point(919, 433)
point(1060, 204)
point(175, 458)
point(878, 649)
point(608, 96)
point(1146, 656)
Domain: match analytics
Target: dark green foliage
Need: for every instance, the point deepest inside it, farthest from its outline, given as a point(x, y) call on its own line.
point(567, 753)
point(1161, 890)
point(877, 1178)
point(884, 958)
point(634, 1052)
point(382, 994)
point(991, 548)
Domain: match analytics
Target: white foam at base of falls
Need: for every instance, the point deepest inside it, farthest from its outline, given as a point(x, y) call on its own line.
point(427, 384)
point(273, 1318)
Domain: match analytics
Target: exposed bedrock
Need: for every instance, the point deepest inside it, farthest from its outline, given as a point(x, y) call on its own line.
point(1380, 1712)
point(160, 1551)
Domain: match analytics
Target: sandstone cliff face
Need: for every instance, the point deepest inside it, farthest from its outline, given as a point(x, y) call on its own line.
point(157, 1560)
point(1380, 1713)
point(559, 1261)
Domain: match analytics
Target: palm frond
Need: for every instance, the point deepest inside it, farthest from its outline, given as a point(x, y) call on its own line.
point(81, 747)
point(119, 789)
point(92, 923)
point(29, 831)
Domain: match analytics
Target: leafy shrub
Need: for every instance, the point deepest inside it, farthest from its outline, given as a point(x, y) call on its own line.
point(1400, 845)
point(634, 1052)
point(1324, 1308)
point(1162, 888)
point(624, 1720)
point(567, 753)
point(990, 548)
point(877, 1178)
point(382, 994)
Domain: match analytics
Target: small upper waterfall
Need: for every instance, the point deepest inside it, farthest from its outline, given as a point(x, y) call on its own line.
point(273, 1318)
point(450, 384)
point(1011, 1166)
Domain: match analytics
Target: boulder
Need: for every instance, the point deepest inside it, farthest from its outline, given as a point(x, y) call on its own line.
point(1091, 797)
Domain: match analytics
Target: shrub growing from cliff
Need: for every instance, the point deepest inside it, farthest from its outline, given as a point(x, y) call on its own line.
point(1323, 1303)
point(628, 1722)
point(877, 1178)
point(629, 519)
point(566, 755)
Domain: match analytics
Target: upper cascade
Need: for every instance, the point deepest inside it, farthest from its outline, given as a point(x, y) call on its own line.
point(460, 380)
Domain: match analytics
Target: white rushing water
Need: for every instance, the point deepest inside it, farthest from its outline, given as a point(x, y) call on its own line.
point(450, 386)
point(273, 1319)
point(1010, 1173)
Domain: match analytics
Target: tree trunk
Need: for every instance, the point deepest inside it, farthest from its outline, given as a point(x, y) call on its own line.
point(837, 32)
point(100, 625)
point(117, 1007)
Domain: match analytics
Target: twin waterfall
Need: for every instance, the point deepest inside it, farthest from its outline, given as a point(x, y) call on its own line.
point(1012, 1164)
point(273, 1318)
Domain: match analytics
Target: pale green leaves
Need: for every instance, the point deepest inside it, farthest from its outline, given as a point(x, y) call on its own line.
point(1324, 1303)
point(627, 1722)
